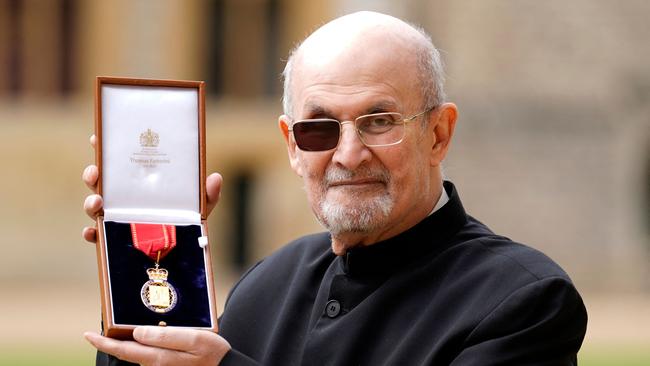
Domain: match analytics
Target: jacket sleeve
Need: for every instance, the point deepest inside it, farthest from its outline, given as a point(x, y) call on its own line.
point(236, 358)
point(542, 323)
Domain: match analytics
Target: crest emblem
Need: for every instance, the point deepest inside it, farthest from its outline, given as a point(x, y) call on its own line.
point(149, 138)
point(157, 294)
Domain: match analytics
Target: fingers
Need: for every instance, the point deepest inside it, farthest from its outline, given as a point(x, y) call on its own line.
point(199, 346)
point(181, 339)
point(213, 190)
point(90, 176)
point(89, 234)
point(93, 205)
point(124, 350)
point(165, 346)
point(128, 350)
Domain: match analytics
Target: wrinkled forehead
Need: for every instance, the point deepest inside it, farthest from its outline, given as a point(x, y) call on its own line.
point(344, 61)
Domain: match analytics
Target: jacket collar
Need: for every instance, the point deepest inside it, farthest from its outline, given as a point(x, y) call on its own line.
point(429, 236)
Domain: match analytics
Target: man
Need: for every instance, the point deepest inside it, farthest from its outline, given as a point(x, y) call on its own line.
point(404, 276)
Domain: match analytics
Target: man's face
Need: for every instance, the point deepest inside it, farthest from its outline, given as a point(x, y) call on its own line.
point(363, 193)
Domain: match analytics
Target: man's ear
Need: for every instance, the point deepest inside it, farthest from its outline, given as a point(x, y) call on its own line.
point(443, 121)
point(284, 122)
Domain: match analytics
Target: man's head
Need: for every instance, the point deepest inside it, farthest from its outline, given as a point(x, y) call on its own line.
point(429, 64)
point(360, 64)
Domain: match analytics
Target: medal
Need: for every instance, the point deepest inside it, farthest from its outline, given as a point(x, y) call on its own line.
point(156, 241)
point(157, 294)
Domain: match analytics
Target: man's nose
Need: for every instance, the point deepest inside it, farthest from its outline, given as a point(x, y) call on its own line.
point(351, 152)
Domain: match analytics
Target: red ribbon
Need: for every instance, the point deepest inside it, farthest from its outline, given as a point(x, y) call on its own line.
point(154, 240)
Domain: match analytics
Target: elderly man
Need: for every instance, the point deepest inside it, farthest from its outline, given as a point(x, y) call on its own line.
point(404, 276)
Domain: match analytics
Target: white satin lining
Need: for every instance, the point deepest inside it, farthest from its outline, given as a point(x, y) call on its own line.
point(166, 190)
point(157, 216)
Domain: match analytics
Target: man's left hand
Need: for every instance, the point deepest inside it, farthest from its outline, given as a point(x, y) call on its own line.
point(165, 346)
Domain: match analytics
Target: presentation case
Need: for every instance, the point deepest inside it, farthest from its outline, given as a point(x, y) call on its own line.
point(150, 152)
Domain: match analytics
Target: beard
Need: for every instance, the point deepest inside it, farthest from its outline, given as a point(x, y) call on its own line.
point(358, 211)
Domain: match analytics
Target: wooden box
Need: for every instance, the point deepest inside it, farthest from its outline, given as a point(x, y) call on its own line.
point(150, 153)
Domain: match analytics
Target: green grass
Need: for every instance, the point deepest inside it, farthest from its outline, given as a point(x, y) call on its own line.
point(614, 356)
point(49, 356)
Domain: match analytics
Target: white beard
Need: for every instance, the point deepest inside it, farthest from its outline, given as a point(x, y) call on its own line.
point(357, 215)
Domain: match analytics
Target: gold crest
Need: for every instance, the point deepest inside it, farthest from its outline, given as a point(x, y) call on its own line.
point(149, 138)
point(157, 294)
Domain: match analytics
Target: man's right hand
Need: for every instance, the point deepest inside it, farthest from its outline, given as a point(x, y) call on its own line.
point(94, 203)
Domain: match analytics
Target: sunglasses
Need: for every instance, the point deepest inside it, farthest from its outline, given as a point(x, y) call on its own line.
point(377, 129)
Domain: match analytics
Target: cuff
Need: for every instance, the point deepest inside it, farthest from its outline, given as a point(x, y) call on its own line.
point(236, 358)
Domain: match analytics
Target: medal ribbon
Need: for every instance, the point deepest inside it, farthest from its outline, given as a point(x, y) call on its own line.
point(154, 240)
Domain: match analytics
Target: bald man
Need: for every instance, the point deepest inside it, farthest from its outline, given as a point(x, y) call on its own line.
point(403, 276)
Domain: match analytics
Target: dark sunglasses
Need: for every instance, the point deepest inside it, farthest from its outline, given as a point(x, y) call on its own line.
point(377, 129)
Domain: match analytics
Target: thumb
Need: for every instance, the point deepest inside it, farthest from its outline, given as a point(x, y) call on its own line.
point(213, 190)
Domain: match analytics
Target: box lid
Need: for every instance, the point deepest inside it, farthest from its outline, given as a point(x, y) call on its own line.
point(150, 149)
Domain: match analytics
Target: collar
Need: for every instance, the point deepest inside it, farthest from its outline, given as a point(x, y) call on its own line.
point(429, 236)
point(444, 198)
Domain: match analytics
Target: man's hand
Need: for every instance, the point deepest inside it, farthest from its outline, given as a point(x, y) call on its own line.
point(165, 346)
point(94, 203)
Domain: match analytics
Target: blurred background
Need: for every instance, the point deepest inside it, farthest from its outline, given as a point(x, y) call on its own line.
point(552, 147)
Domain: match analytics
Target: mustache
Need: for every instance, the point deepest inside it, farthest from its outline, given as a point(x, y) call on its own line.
point(336, 174)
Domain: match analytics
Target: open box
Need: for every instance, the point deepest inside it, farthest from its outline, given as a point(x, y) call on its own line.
point(150, 153)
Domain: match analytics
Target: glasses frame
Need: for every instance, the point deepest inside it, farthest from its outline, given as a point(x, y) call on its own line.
point(403, 121)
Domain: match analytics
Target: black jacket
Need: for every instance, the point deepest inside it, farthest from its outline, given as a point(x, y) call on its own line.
point(446, 292)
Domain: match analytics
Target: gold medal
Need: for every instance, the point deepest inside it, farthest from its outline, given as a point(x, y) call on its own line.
point(156, 241)
point(157, 294)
